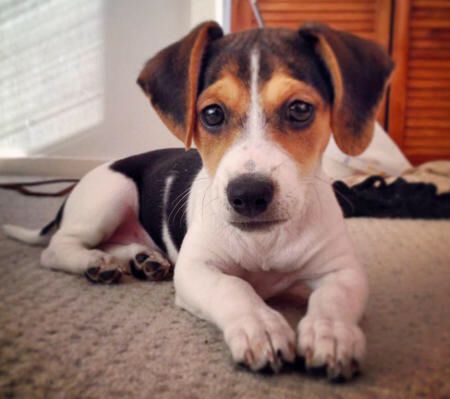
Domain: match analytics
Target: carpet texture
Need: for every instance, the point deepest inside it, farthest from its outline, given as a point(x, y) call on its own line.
point(61, 336)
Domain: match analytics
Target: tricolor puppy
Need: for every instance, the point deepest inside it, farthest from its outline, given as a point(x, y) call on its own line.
point(249, 216)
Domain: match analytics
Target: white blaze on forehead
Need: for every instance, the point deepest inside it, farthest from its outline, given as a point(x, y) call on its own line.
point(255, 120)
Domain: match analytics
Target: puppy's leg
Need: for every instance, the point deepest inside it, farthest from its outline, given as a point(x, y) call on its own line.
point(257, 335)
point(329, 334)
point(68, 255)
point(99, 204)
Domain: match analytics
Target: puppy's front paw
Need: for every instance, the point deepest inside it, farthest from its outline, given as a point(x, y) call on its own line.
point(261, 339)
point(336, 345)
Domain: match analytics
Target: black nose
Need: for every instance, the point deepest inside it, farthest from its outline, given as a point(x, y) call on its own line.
point(250, 194)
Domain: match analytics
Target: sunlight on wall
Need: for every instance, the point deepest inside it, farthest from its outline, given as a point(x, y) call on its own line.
point(205, 10)
point(51, 72)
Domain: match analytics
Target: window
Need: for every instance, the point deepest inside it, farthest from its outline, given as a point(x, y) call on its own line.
point(51, 72)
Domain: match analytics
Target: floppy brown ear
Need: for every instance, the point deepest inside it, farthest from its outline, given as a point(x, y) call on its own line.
point(170, 79)
point(359, 70)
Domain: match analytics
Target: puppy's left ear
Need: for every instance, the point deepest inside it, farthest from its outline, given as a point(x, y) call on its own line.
point(170, 79)
point(359, 71)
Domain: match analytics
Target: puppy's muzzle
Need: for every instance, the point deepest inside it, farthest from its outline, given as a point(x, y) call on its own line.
point(250, 194)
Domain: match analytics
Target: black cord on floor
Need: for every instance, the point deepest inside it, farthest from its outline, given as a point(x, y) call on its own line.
point(21, 187)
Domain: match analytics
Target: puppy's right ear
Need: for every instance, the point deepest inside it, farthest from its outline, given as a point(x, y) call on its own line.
point(170, 79)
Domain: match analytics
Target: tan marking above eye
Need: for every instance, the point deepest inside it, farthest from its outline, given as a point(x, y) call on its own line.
point(229, 91)
point(304, 146)
point(233, 94)
point(282, 88)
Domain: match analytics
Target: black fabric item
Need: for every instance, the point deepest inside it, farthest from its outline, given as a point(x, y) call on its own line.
point(375, 198)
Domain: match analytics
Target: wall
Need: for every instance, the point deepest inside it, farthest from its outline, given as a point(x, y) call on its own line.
point(134, 31)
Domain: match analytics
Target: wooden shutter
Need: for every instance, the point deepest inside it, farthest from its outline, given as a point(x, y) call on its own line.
point(420, 92)
point(367, 18)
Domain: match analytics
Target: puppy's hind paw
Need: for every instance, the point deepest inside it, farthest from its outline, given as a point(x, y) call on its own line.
point(97, 274)
point(151, 265)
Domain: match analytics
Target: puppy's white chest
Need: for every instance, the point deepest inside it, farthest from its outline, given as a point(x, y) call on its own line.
point(270, 283)
point(283, 251)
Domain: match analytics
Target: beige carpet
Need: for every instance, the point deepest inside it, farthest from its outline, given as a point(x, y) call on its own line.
point(61, 336)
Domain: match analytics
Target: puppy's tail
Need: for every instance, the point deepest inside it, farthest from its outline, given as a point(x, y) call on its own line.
point(39, 237)
point(29, 236)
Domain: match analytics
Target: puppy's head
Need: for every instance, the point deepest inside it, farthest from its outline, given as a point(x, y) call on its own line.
point(260, 106)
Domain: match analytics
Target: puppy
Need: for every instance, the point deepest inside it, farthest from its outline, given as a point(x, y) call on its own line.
point(249, 215)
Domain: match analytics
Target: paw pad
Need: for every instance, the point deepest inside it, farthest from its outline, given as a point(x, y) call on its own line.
point(155, 267)
point(96, 274)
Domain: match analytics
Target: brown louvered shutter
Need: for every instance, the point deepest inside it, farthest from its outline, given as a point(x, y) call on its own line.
point(420, 93)
point(367, 18)
point(361, 17)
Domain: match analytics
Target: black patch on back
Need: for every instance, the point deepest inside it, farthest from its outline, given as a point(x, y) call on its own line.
point(150, 171)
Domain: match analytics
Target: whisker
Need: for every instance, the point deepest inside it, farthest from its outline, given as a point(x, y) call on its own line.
point(178, 204)
point(181, 206)
point(180, 195)
point(183, 216)
point(203, 199)
point(176, 208)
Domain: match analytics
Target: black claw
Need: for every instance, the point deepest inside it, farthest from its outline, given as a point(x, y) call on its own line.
point(356, 369)
point(333, 374)
point(150, 268)
point(110, 276)
point(92, 274)
point(242, 366)
point(138, 273)
point(141, 257)
point(158, 276)
point(168, 274)
point(95, 275)
point(338, 379)
point(320, 371)
point(267, 369)
point(342, 374)
point(299, 364)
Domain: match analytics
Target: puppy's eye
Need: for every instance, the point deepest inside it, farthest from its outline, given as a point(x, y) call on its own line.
point(299, 112)
point(212, 116)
